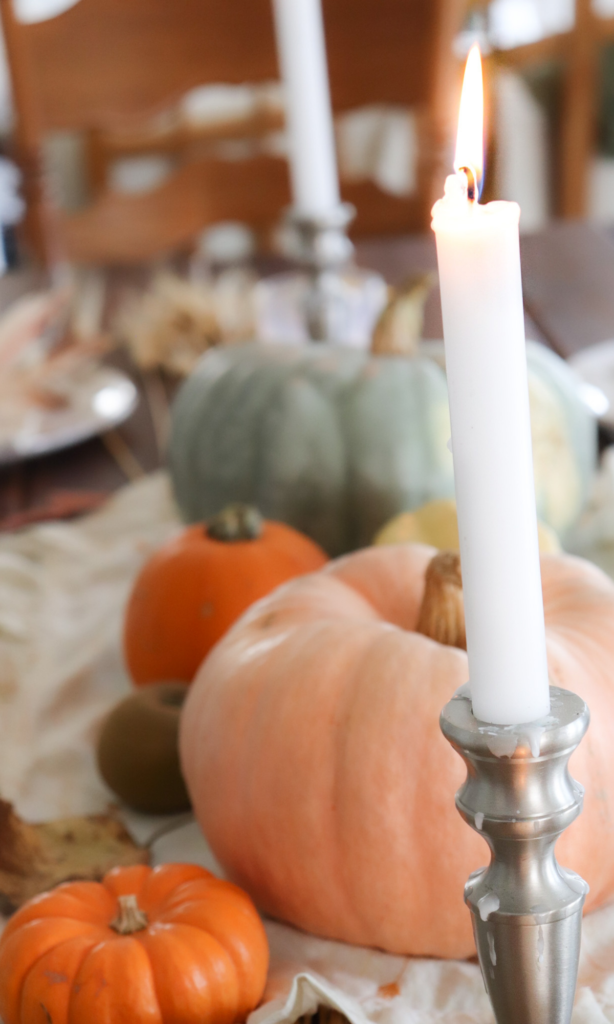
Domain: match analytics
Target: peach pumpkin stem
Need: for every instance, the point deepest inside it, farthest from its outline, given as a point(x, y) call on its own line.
point(442, 613)
point(235, 522)
point(130, 918)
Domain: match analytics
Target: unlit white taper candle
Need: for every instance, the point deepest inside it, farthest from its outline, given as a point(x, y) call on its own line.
point(478, 254)
point(302, 56)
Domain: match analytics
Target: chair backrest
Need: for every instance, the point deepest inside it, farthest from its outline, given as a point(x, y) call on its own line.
point(577, 53)
point(580, 107)
point(104, 62)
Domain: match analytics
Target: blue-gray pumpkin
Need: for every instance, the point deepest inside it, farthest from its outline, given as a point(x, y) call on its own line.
point(335, 442)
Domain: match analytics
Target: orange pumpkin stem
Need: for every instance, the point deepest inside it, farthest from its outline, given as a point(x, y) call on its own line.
point(442, 613)
point(236, 522)
point(130, 918)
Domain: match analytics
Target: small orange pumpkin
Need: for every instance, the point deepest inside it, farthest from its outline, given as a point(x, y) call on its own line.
point(163, 946)
point(193, 589)
point(311, 748)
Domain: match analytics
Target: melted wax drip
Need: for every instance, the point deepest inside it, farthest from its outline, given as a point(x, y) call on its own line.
point(488, 904)
point(575, 881)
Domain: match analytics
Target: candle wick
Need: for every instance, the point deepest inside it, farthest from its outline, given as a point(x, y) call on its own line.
point(472, 178)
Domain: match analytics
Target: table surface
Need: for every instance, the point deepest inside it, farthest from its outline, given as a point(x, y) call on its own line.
point(568, 281)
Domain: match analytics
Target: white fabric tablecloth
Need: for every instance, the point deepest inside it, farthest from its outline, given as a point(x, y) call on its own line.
point(63, 588)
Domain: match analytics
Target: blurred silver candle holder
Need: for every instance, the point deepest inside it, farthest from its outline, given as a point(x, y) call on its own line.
point(526, 909)
point(328, 298)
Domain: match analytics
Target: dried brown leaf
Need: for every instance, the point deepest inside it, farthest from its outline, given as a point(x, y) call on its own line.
point(34, 858)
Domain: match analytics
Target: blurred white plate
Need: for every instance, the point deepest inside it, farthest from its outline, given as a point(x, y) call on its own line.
point(595, 365)
point(103, 399)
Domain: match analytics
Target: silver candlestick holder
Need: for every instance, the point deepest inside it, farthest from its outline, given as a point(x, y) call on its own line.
point(329, 299)
point(526, 909)
point(322, 247)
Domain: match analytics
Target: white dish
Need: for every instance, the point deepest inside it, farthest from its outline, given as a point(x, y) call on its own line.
point(103, 399)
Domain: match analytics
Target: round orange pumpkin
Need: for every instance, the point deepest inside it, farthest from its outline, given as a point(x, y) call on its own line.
point(311, 748)
point(197, 585)
point(163, 946)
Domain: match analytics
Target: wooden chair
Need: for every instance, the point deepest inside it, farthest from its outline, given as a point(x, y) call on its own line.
point(577, 52)
point(104, 64)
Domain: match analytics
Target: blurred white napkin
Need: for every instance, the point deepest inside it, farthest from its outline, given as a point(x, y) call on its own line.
point(380, 143)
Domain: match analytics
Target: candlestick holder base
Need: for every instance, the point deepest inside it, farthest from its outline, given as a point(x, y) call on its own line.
point(526, 909)
point(329, 299)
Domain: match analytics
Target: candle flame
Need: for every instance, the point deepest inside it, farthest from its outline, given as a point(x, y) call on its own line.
point(470, 136)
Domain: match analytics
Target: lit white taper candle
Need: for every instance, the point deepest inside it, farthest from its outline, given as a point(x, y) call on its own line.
point(302, 56)
point(478, 254)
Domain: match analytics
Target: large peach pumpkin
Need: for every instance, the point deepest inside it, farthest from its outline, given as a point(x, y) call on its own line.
point(311, 747)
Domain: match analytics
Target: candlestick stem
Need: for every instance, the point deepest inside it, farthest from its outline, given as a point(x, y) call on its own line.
point(322, 247)
point(526, 909)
